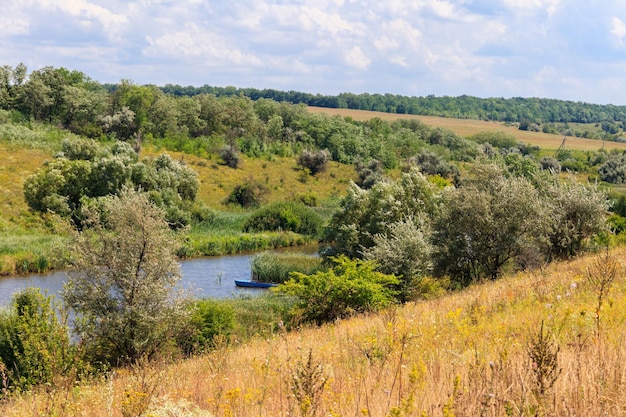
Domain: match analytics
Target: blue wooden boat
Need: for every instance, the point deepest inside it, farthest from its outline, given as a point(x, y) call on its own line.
point(253, 284)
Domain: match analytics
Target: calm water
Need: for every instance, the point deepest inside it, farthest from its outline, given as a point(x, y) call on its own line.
point(204, 277)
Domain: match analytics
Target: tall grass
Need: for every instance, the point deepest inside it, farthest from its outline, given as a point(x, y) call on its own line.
point(23, 251)
point(469, 353)
point(276, 267)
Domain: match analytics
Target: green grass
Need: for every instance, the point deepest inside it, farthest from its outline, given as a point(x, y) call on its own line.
point(276, 267)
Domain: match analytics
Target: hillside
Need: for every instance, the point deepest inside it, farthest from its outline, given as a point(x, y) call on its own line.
point(466, 354)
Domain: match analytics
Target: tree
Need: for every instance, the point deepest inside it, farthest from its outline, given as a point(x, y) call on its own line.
point(488, 221)
point(122, 284)
point(576, 211)
point(365, 214)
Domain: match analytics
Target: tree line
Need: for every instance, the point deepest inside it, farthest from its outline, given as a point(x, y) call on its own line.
point(513, 110)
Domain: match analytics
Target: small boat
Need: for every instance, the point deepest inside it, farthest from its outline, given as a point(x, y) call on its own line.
point(253, 284)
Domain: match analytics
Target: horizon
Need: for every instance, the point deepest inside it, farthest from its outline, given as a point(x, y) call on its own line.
point(553, 49)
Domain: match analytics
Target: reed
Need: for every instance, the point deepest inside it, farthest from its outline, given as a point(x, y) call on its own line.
point(276, 267)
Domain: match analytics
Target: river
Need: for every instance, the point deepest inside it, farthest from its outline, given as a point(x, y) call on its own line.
point(209, 277)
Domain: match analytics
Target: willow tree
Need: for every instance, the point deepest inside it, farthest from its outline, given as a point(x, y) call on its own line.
point(122, 286)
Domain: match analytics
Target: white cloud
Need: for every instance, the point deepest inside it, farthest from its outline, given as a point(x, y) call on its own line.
point(195, 42)
point(618, 30)
point(355, 58)
point(481, 47)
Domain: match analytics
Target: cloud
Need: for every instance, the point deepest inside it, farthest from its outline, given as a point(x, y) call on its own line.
point(452, 47)
point(618, 30)
point(196, 42)
point(355, 58)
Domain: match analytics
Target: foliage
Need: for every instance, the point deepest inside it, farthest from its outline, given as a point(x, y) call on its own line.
point(430, 163)
point(122, 283)
point(614, 169)
point(488, 221)
point(34, 342)
point(405, 251)
point(314, 161)
point(576, 213)
point(230, 157)
point(365, 214)
point(369, 173)
point(249, 194)
point(550, 164)
point(208, 320)
point(69, 183)
point(499, 140)
point(276, 267)
point(347, 288)
point(285, 216)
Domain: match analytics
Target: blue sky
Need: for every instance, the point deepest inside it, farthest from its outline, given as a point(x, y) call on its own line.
point(565, 49)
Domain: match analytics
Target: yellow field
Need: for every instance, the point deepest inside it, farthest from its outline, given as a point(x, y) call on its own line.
point(17, 164)
point(467, 127)
point(466, 354)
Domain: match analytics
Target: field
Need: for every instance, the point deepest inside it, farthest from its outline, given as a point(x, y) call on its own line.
point(468, 127)
point(541, 343)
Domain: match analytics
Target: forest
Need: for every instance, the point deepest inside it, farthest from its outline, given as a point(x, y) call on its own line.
point(135, 177)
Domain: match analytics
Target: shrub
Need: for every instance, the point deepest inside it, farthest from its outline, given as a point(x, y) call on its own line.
point(614, 169)
point(209, 318)
point(285, 216)
point(249, 194)
point(550, 164)
point(369, 173)
point(405, 251)
point(230, 157)
point(276, 267)
point(430, 163)
point(349, 287)
point(34, 345)
point(314, 161)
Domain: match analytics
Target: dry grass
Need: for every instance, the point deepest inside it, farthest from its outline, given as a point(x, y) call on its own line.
point(17, 164)
point(280, 175)
point(468, 127)
point(462, 355)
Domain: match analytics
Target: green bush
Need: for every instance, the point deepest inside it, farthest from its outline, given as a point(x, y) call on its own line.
point(351, 286)
point(209, 318)
point(34, 345)
point(285, 216)
point(276, 267)
point(249, 194)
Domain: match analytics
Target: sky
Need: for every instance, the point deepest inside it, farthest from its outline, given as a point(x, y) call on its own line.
point(561, 49)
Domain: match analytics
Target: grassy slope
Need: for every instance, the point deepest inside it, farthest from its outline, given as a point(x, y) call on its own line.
point(465, 354)
point(468, 127)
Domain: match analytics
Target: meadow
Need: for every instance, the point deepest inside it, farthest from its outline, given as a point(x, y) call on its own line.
point(547, 342)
